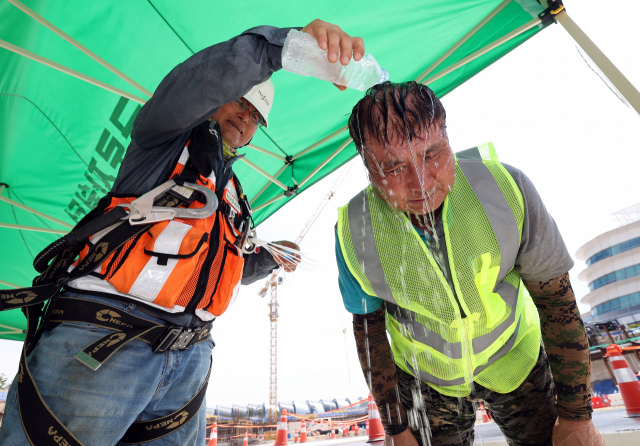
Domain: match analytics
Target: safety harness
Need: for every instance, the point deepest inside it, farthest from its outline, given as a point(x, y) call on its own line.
point(44, 307)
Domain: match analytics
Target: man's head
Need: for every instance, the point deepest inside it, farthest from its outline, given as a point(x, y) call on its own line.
point(240, 119)
point(400, 131)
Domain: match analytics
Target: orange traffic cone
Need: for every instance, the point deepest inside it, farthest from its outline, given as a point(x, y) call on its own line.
point(332, 436)
point(483, 412)
point(303, 432)
point(281, 437)
point(345, 431)
point(367, 425)
point(295, 436)
point(376, 431)
point(627, 381)
point(213, 438)
point(246, 440)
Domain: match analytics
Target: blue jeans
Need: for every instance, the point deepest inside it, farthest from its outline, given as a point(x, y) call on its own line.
point(133, 385)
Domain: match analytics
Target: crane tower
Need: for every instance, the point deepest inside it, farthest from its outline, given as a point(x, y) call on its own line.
point(271, 284)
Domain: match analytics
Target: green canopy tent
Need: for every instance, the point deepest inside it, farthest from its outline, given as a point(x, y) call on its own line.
point(73, 79)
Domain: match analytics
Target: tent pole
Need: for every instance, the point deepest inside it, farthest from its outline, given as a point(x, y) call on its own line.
point(458, 44)
point(255, 197)
point(33, 211)
point(264, 173)
point(325, 162)
point(69, 71)
point(267, 152)
point(626, 89)
point(12, 330)
point(322, 141)
point(12, 285)
point(33, 228)
point(273, 200)
point(471, 57)
point(34, 15)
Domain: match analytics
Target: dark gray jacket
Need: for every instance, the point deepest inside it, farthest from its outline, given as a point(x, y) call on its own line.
point(188, 96)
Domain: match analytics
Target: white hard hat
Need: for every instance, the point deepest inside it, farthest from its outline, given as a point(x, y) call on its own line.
point(261, 97)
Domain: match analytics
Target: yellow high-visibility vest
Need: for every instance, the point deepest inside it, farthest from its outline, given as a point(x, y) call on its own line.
point(498, 342)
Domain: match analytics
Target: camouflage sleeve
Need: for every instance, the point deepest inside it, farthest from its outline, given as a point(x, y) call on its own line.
point(565, 340)
point(376, 360)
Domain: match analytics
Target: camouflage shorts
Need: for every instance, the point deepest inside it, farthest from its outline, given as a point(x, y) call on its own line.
point(525, 416)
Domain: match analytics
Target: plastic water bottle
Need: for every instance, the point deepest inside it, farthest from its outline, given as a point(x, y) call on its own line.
point(302, 55)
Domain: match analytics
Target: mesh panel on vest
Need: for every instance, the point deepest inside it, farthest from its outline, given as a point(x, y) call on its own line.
point(417, 284)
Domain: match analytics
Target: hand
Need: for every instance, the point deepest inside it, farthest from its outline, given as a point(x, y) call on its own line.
point(288, 265)
point(334, 40)
point(576, 433)
point(405, 438)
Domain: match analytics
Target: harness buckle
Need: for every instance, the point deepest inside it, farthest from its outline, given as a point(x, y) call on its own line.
point(143, 212)
point(174, 338)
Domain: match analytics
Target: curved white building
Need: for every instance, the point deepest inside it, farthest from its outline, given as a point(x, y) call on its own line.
point(613, 270)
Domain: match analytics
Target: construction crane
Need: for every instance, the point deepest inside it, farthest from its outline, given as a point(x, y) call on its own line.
point(272, 283)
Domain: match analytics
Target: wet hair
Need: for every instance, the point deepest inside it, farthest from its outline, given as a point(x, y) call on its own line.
point(395, 111)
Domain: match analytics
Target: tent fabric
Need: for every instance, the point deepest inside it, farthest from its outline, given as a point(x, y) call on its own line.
point(62, 140)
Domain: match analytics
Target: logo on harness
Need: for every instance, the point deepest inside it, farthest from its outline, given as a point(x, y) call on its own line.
point(203, 334)
point(175, 421)
point(27, 296)
point(57, 438)
point(168, 202)
point(97, 254)
point(111, 341)
point(110, 316)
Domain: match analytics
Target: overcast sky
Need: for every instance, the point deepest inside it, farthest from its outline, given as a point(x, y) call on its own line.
point(546, 112)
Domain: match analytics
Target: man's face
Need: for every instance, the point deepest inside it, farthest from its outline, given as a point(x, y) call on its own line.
point(237, 128)
point(413, 177)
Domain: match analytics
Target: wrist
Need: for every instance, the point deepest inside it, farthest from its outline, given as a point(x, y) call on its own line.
point(395, 429)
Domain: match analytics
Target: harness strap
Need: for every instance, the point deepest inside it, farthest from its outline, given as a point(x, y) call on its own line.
point(126, 328)
point(39, 422)
point(144, 431)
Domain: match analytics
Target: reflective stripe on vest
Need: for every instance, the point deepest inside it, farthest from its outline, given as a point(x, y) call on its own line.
point(489, 280)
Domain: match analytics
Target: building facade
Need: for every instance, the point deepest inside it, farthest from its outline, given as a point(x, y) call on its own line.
point(613, 271)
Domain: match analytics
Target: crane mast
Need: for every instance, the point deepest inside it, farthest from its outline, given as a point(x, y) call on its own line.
point(271, 284)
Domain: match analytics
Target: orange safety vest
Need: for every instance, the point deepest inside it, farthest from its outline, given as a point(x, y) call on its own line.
point(179, 264)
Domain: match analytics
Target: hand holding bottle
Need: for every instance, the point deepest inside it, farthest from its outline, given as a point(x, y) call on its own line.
point(315, 54)
point(333, 39)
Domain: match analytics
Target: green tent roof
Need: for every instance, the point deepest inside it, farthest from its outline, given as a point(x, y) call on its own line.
point(62, 139)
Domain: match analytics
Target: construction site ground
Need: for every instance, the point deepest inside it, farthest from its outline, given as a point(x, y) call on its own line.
point(617, 430)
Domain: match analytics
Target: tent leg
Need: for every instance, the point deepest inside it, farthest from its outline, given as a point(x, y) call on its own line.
point(625, 87)
point(264, 173)
point(33, 228)
point(33, 211)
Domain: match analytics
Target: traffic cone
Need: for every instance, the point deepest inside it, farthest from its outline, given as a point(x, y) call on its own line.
point(295, 437)
point(483, 412)
point(332, 436)
point(627, 381)
point(345, 431)
point(281, 437)
point(246, 440)
point(376, 431)
point(213, 438)
point(303, 432)
point(367, 425)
